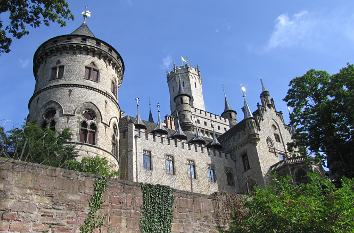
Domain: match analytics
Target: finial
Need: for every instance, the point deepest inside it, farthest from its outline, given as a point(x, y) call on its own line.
point(184, 60)
point(137, 101)
point(86, 14)
point(263, 87)
point(243, 90)
point(159, 128)
point(139, 124)
point(151, 118)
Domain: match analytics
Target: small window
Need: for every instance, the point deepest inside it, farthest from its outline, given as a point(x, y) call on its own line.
point(246, 164)
point(211, 174)
point(57, 72)
point(195, 85)
point(198, 121)
point(147, 160)
point(191, 169)
point(114, 88)
point(230, 178)
point(183, 83)
point(91, 73)
point(205, 123)
point(115, 142)
point(218, 127)
point(277, 138)
point(169, 165)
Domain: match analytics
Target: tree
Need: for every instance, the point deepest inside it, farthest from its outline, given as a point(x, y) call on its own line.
point(315, 206)
point(32, 143)
point(323, 117)
point(29, 12)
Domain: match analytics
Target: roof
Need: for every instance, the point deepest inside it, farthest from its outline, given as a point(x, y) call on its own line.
point(83, 30)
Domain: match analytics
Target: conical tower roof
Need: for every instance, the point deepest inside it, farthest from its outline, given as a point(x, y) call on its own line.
point(160, 129)
point(197, 139)
point(181, 90)
point(215, 143)
point(179, 134)
point(151, 118)
point(139, 124)
point(83, 30)
point(246, 109)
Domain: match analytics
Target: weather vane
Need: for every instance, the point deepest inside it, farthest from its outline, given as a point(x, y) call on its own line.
point(86, 14)
point(243, 90)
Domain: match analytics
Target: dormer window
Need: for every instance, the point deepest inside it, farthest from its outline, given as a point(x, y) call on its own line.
point(91, 72)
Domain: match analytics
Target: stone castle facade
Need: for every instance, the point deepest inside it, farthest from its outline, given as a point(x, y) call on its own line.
point(77, 81)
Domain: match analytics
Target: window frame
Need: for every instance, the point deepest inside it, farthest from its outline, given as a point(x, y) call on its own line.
point(169, 165)
point(192, 173)
point(211, 174)
point(245, 162)
point(90, 68)
point(57, 72)
point(147, 155)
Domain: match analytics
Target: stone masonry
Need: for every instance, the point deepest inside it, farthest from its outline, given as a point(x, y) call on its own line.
point(37, 198)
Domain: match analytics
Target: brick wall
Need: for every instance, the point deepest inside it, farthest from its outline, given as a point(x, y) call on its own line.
point(36, 198)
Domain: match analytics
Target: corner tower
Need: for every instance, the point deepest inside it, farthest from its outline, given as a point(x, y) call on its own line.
point(191, 82)
point(77, 79)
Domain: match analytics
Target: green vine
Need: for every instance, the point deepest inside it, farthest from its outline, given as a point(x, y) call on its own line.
point(157, 212)
point(93, 221)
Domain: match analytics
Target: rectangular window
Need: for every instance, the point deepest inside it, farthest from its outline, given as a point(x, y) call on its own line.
point(53, 75)
point(191, 169)
point(57, 72)
point(114, 88)
point(169, 165)
point(230, 178)
point(87, 73)
point(277, 138)
point(147, 160)
point(211, 174)
point(246, 164)
point(61, 72)
point(91, 74)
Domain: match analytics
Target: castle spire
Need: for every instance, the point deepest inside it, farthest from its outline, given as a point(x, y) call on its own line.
point(160, 129)
point(215, 143)
point(229, 113)
point(263, 87)
point(179, 134)
point(151, 118)
point(139, 124)
point(246, 109)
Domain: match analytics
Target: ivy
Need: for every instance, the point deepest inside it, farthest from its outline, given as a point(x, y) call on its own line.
point(157, 212)
point(93, 221)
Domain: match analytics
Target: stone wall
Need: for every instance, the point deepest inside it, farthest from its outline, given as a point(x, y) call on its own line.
point(36, 198)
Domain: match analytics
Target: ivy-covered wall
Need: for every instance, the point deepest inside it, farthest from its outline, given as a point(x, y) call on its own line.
point(36, 198)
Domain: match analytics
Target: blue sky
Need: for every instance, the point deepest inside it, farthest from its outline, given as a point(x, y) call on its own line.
point(233, 42)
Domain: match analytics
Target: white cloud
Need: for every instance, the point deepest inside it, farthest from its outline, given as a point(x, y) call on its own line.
point(311, 30)
point(24, 63)
point(166, 62)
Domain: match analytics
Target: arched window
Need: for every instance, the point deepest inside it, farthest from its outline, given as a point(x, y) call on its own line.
point(49, 120)
point(91, 72)
point(115, 142)
point(88, 127)
point(270, 142)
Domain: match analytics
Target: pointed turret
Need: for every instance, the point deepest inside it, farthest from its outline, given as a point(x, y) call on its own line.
point(151, 118)
point(246, 109)
point(229, 113)
point(160, 128)
point(183, 107)
point(265, 96)
point(179, 134)
point(197, 139)
point(84, 30)
point(139, 124)
point(215, 143)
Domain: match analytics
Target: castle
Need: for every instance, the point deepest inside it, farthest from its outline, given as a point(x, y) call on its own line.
point(77, 81)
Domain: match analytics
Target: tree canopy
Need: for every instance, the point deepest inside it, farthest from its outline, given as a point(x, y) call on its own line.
point(32, 143)
point(23, 13)
point(312, 207)
point(323, 117)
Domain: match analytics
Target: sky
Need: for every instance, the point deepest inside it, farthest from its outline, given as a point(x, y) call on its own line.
point(234, 43)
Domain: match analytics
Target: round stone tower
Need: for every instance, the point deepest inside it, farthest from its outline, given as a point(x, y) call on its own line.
point(77, 80)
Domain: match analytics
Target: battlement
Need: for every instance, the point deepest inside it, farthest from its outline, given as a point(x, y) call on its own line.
point(183, 70)
point(180, 144)
point(211, 116)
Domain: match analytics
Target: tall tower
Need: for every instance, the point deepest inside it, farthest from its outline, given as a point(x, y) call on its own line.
point(191, 82)
point(77, 79)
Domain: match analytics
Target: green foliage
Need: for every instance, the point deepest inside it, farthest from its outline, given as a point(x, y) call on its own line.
point(157, 212)
point(98, 166)
point(29, 12)
point(94, 165)
point(32, 143)
point(316, 206)
point(323, 116)
point(93, 220)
